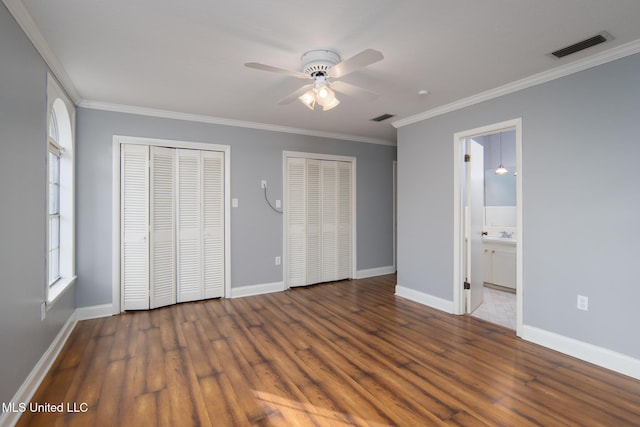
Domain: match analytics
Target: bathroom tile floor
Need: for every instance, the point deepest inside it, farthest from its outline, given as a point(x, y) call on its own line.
point(498, 307)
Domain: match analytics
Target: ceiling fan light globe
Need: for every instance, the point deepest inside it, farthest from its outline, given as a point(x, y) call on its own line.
point(323, 92)
point(308, 99)
point(330, 105)
point(325, 96)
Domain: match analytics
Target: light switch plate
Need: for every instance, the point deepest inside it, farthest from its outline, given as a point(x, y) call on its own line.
point(583, 303)
point(234, 203)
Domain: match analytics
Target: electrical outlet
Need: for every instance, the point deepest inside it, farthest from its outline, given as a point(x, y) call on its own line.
point(278, 204)
point(234, 203)
point(583, 303)
point(278, 260)
point(263, 183)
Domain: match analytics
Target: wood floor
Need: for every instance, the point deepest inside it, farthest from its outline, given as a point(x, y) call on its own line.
point(344, 353)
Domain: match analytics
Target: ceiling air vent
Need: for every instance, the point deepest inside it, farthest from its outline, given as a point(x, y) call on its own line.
point(382, 117)
point(582, 45)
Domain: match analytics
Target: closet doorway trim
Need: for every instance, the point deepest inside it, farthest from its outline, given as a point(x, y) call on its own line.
point(118, 140)
point(317, 156)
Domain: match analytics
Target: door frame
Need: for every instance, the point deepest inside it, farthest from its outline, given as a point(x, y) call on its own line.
point(458, 215)
point(118, 140)
point(316, 156)
point(395, 216)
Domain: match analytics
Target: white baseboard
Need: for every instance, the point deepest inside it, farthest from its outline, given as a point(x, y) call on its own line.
point(250, 290)
point(372, 272)
point(94, 312)
point(588, 352)
point(425, 299)
point(37, 374)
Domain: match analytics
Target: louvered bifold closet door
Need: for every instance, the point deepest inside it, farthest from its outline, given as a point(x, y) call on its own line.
point(296, 222)
point(213, 221)
point(329, 173)
point(314, 222)
point(163, 232)
point(189, 225)
point(134, 205)
point(345, 213)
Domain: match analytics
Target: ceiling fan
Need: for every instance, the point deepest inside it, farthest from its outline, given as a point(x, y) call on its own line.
point(323, 66)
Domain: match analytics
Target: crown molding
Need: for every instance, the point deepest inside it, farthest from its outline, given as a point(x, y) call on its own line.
point(28, 25)
point(609, 55)
point(119, 108)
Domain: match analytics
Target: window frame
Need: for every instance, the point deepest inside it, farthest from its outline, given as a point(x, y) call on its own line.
point(60, 144)
point(54, 214)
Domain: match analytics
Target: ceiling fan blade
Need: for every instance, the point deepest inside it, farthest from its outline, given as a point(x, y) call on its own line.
point(349, 89)
point(362, 59)
point(295, 95)
point(264, 67)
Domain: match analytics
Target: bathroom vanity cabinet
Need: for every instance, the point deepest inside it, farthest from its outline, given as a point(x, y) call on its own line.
point(500, 262)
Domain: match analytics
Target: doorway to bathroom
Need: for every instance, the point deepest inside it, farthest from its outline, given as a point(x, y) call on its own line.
point(488, 223)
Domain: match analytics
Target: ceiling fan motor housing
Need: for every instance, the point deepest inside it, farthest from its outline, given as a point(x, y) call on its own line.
point(318, 62)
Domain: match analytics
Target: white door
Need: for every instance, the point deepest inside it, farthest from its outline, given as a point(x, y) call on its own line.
point(296, 223)
point(313, 224)
point(134, 229)
point(475, 206)
point(344, 219)
point(213, 223)
point(329, 259)
point(172, 224)
point(319, 221)
point(189, 225)
point(162, 257)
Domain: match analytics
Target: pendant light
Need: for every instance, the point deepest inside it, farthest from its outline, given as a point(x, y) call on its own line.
point(501, 169)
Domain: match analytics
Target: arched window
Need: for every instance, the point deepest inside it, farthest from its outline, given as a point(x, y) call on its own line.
point(60, 191)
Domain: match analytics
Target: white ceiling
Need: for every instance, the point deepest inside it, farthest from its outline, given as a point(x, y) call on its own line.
point(187, 56)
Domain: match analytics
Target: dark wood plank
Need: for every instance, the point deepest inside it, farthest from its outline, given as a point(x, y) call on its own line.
point(344, 353)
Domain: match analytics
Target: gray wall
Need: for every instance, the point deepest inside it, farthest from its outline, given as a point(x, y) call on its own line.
point(256, 231)
point(581, 201)
point(23, 110)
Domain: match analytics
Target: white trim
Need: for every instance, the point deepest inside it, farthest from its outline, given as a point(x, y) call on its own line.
point(116, 296)
point(58, 289)
point(317, 156)
point(39, 371)
point(373, 272)
point(152, 112)
point(424, 299)
point(354, 198)
point(600, 356)
point(94, 312)
point(458, 246)
point(157, 142)
point(28, 25)
point(613, 54)
point(395, 215)
point(118, 140)
point(250, 290)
